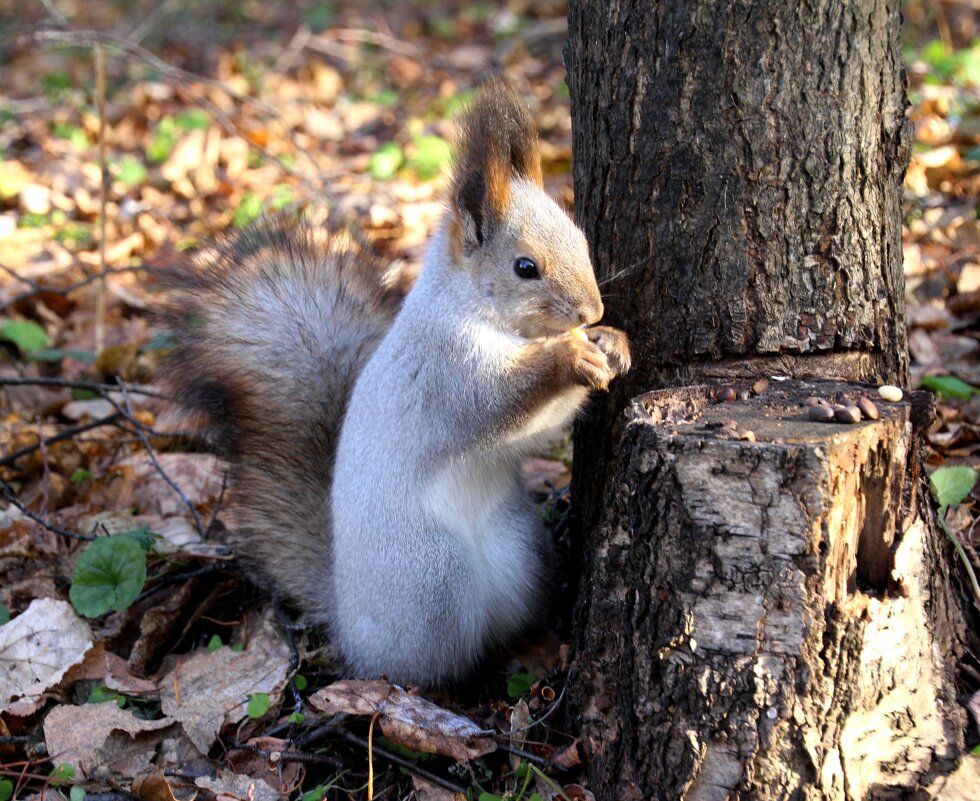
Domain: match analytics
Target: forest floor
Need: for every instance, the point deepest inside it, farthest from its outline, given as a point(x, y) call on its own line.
point(214, 114)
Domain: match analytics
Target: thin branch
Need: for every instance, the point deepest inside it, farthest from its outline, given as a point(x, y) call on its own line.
point(408, 764)
point(37, 289)
point(217, 505)
point(68, 433)
point(9, 495)
point(103, 197)
point(89, 386)
point(148, 446)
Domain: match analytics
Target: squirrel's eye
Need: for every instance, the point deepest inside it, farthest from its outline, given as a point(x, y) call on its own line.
point(525, 268)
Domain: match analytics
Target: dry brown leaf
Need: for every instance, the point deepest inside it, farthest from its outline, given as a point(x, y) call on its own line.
point(102, 737)
point(152, 787)
point(38, 647)
point(409, 720)
point(198, 476)
point(424, 791)
point(233, 787)
point(208, 690)
point(118, 677)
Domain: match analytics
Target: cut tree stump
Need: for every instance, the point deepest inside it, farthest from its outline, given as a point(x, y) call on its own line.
point(766, 616)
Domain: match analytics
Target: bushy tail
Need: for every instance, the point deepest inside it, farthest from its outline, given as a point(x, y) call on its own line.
point(272, 329)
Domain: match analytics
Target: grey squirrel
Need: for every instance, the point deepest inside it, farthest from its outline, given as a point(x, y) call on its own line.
point(375, 440)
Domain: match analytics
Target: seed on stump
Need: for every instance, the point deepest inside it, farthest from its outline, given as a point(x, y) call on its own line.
point(868, 409)
point(890, 393)
point(847, 414)
point(723, 394)
point(813, 400)
point(821, 414)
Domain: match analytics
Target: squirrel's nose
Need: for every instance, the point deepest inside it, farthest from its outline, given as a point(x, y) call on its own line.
point(591, 311)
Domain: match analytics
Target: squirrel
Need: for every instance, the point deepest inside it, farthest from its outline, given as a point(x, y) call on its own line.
point(375, 436)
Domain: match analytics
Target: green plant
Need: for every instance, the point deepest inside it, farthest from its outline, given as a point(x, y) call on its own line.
point(950, 485)
point(110, 573)
point(258, 705)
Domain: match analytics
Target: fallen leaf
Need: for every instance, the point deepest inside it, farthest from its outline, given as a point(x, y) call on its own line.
point(152, 787)
point(233, 787)
point(214, 687)
point(38, 647)
point(409, 720)
point(424, 791)
point(81, 736)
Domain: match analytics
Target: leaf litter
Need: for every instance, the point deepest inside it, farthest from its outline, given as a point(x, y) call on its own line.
point(345, 111)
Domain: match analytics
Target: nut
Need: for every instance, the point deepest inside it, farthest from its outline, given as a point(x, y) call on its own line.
point(847, 414)
point(813, 400)
point(578, 333)
point(723, 394)
point(821, 414)
point(890, 393)
point(868, 409)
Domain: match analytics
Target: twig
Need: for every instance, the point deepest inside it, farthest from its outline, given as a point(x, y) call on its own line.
point(8, 493)
point(148, 446)
point(37, 289)
point(68, 433)
point(90, 386)
point(217, 505)
point(103, 196)
point(410, 766)
point(971, 574)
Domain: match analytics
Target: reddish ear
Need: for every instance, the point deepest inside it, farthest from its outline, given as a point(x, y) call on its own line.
point(497, 141)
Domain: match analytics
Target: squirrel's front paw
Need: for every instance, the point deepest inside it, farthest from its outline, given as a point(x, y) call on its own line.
point(587, 364)
point(614, 345)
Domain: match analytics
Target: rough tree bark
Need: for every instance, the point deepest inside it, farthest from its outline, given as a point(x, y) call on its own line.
point(762, 616)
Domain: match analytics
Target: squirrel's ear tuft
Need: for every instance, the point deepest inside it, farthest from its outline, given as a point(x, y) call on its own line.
point(496, 142)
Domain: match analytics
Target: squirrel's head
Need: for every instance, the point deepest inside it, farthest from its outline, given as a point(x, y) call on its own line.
point(525, 255)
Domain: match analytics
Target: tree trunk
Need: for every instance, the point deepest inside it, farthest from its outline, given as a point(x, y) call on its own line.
point(762, 616)
point(738, 175)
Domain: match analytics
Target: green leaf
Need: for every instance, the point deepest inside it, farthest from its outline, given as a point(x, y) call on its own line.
point(249, 208)
point(75, 135)
point(282, 196)
point(6, 789)
point(385, 161)
point(77, 793)
point(950, 485)
point(102, 694)
point(237, 648)
point(57, 354)
point(109, 575)
point(535, 797)
point(258, 705)
point(519, 684)
point(490, 797)
point(432, 153)
point(300, 681)
point(296, 717)
point(80, 475)
point(61, 773)
point(316, 794)
point(161, 144)
point(4, 614)
point(948, 387)
point(214, 643)
point(195, 119)
point(27, 335)
point(130, 172)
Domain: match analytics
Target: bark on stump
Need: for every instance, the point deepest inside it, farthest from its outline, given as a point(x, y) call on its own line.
point(765, 619)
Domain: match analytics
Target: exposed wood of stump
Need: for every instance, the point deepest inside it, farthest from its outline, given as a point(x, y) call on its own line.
point(765, 619)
